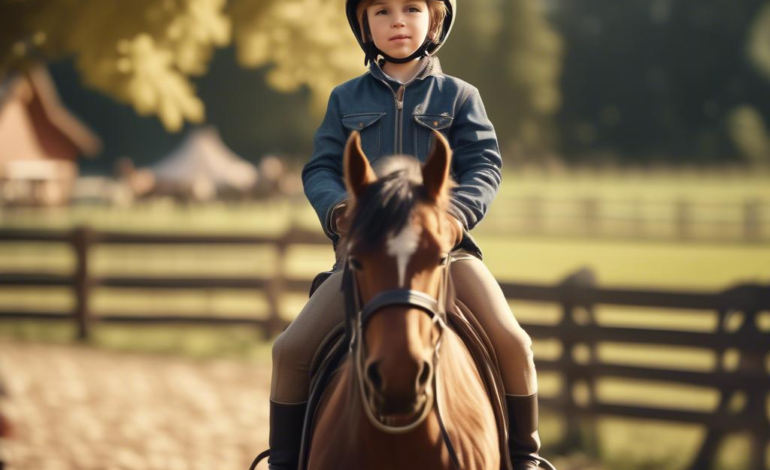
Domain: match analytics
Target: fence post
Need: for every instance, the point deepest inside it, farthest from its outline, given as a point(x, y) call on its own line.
point(752, 361)
point(753, 351)
point(752, 225)
point(275, 288)
point(580, 432)
point(82, 238)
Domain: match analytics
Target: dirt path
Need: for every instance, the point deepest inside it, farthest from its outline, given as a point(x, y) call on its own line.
point(79, 408)
point(88, 409)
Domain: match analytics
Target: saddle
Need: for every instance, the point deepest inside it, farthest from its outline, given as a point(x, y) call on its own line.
point(335, 347)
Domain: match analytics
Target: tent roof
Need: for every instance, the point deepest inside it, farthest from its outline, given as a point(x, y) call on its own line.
point(203, 156)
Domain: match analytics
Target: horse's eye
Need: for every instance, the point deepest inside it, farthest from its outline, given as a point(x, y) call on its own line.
point(355, 264)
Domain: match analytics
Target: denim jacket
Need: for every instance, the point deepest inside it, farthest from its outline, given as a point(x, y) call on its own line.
point(395, 118)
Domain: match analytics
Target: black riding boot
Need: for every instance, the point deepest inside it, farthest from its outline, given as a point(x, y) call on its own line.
point(285, 435)
point(523, 438)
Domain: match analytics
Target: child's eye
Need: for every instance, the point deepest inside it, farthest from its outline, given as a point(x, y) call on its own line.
point(383, 12)
point(413, 10)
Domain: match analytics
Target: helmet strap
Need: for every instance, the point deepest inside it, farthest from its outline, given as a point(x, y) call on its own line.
point(372, 51)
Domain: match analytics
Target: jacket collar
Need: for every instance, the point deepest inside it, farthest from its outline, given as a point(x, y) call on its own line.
point(430, 67)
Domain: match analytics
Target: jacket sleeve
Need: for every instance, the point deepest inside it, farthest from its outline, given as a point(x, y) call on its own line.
point(476, 161)
point(322, 175)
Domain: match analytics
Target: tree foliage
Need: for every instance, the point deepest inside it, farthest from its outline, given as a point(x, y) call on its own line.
point(658, 79)
point(510, 51)
point(147, 53)
point(759, 41)
point(307, 41)
point(140, 52)
point(144, 52)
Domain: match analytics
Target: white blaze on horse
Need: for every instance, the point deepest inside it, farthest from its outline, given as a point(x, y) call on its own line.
point(408, 395)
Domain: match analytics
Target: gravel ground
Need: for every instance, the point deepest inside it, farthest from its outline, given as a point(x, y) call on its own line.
point(89, 409)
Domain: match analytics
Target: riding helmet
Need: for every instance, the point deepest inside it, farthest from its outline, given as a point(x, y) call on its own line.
point(430, 47)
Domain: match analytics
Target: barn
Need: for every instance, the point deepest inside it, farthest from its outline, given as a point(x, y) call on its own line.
point(40, 141)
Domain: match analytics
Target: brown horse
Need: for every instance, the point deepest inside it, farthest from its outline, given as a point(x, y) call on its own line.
point(408, 395)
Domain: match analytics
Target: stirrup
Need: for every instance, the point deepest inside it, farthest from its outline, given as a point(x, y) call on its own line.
point(259, 458)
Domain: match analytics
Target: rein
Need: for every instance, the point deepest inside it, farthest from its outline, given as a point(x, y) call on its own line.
point(356, 316)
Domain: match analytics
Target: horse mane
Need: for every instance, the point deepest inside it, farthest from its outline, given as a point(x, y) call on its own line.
point(386, 205)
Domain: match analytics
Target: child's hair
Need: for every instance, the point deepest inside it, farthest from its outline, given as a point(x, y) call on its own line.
point(438, 12)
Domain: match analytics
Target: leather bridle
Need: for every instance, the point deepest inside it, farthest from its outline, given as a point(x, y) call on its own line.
point(356, 317)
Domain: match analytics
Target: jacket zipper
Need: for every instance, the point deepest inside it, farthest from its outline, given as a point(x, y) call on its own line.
point(398, 143)
point(400, 119)
point(399, 108)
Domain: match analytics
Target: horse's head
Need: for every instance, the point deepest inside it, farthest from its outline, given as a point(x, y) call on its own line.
point(398, 243)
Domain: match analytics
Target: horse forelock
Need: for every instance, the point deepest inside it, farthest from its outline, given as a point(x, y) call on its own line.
point(386, 206)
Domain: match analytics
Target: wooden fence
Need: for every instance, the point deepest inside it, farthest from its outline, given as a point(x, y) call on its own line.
point(578, 332)
point(637, 219)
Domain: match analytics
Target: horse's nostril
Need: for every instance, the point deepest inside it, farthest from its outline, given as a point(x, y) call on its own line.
point(422, 380)
point(373, 375)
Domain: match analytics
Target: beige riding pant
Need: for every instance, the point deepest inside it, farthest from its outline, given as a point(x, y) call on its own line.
point(474, 285)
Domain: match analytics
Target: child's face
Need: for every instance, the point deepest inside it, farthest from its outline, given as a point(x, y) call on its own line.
point(398, 27)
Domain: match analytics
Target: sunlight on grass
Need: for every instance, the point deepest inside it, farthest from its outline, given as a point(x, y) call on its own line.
point(203, 342)
point(203, 302)
point(54, 299)
point(638, 444)
point(617, 263)
point(185, 260)
point(539, 313)
point(663, 357)
point(656, 394)
point(643, 317)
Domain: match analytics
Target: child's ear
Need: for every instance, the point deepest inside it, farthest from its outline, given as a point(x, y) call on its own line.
point(358, 172)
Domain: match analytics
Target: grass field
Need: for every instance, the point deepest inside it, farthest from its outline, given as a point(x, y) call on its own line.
point(624, 444)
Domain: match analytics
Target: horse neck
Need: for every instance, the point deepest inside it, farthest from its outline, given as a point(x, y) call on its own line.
point(465, 407)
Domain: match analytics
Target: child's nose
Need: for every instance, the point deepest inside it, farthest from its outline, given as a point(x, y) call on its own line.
point(398, 21)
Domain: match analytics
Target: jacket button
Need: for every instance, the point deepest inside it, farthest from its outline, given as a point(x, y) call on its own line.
point(361, 125)
point(435, 123)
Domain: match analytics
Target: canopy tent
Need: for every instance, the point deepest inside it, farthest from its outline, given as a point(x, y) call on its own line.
point(203, 158)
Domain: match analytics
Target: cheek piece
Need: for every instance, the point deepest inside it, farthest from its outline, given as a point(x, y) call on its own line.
point(372, 51)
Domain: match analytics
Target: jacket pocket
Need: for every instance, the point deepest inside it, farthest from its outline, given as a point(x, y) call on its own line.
point(423, 132)
point(370, 128)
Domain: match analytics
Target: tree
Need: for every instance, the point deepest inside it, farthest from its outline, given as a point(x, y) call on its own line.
point(511, 52)
point(656, 80)
point(144, 52)
point(759, 41)
point(147, 53)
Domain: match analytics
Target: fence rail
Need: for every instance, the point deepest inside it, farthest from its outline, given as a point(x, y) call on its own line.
point(577, 331)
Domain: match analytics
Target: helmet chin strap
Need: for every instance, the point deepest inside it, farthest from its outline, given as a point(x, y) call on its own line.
point(372, 50)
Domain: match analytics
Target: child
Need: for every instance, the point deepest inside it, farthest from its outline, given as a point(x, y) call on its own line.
point(395, 106)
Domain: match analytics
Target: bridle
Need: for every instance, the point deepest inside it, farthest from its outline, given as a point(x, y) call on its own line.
point(356, 316)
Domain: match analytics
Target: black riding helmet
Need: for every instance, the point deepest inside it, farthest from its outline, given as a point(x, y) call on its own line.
point(429, 47)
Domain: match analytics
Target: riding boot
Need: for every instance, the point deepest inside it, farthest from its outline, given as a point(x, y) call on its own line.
point(523, 438)
point(285, 435)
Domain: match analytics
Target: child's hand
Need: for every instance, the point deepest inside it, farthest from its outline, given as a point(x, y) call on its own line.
point(340, 222)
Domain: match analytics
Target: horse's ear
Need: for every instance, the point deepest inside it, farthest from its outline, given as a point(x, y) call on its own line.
point(435, 172)
point(358, 172)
